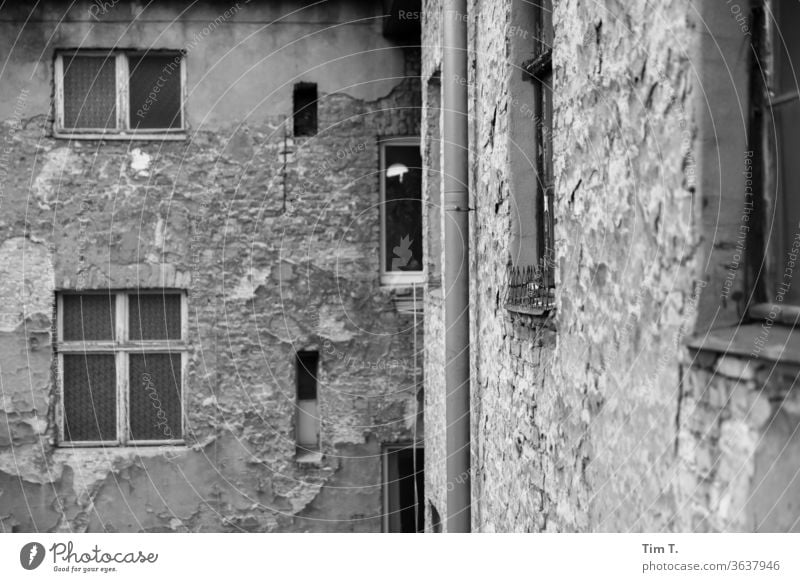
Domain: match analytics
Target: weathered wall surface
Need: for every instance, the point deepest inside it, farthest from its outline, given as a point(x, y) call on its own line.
point(598, 417)
point(275, 239)
point(574, 416)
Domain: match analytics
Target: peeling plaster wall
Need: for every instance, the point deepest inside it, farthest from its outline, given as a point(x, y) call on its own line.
point(574, 416)
point(275, 239)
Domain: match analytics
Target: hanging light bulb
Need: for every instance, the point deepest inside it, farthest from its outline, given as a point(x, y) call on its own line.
point(397, 171)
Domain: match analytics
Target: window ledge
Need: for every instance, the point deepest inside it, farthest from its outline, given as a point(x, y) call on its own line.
point(176, 136)
point(754, 340)
point(308, 458)
point(538, 311)
point(126, 451)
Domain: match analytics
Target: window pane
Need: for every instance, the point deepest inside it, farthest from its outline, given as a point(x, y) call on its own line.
point(305, 109)
point(307, 375)
point(155, 396)
point(88, 317)
point(90, 92)
point(155, 91)
point(90, 397)
point(787, 46)
point(403, 208)
point(786, 229)
point(155, 316)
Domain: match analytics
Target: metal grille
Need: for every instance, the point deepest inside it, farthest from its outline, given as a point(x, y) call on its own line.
point(155, 316)
point(90, 397)
point(90, 92)
point(155, 92)
point(88, 317)
point(155, 396)
point(530, 289)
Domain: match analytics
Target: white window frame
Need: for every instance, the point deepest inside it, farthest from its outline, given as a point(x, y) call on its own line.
point(395, 278)
point(121, 348)
point(122, 131)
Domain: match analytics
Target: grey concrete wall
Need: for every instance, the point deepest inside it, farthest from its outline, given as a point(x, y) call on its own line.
point(275, 239)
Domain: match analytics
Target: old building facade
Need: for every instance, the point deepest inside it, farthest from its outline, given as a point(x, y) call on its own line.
point(201, 326)
point(633, 233)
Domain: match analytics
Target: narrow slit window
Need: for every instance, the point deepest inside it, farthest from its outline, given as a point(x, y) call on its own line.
point(308, 423)
point(305, 109)
point(401, 212)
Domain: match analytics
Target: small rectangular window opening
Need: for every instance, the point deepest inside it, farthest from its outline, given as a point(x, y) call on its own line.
point(305, 109)
point(308, 422)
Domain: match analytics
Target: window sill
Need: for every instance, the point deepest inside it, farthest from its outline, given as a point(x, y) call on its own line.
point(119, 451)
point(308, 457)
point(754, 340)
point(527, 310)
point(174, 136)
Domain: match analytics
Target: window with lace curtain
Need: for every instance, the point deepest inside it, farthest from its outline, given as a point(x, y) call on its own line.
point(121, 361)
point(119, 94)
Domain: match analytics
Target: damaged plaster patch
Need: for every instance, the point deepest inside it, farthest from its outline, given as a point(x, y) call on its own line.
point(140, 161)
point(246, 287)
point(26, 281)
point(332, 326)
point(59, 165)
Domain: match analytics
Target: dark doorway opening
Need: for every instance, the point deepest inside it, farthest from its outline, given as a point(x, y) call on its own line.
point(404, 489)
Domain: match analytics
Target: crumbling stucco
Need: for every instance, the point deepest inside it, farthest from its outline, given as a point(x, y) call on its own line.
point(274, 238)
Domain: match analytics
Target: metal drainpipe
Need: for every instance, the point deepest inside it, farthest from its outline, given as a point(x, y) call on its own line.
point(456, 265)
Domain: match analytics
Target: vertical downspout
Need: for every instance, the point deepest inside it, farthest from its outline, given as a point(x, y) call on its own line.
point(456, 264)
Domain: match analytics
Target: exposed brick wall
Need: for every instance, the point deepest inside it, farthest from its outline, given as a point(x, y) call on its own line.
point(276, 241)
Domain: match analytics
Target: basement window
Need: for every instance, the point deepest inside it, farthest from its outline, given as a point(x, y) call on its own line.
point(401, 212)
point(308, 422)
point(115, 94)
point(121, 367)
point(304, 109)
